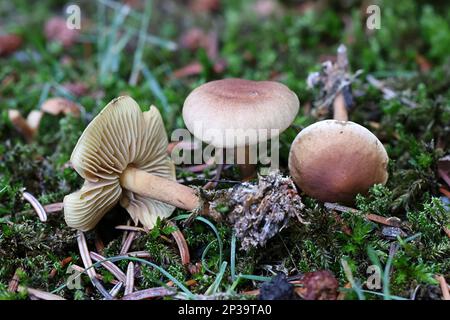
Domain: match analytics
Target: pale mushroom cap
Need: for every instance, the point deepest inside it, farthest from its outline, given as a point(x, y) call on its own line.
point(333, 161)
point(247, 111)
point(120, 136)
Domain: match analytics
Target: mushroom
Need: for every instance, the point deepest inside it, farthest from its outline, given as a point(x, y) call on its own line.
point(122, 157)
point(54, 106)
point(237, 107)
point(333, 161)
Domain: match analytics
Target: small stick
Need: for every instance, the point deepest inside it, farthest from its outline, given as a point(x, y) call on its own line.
point(182, 244)
point(444, 287)
point(54, 207)
point(99, 245)
point(110, 266)
point(39, 294)
point(130, 228)
point(129, 284)
point(369, 216)
point(213, 183)
point(127, 243)
point(36, 206)
point(62, 263)
point(139, 254)
point(150, 293)
point(98, 276)
point(14, 283)
point(84, 253)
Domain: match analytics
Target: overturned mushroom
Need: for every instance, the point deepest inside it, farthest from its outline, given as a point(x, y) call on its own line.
point(238, 113)
point(122, 157)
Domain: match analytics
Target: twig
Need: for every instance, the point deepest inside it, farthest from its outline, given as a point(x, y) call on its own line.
point(14, 283)
point(84, 253)
point(111, 267)
point(150, 293)
point(36, 206)
point(54, 207)
point(444, 287)
point(98, 276)
point(130, 228)
point(129, 284)
point(388, 93)
point(182, 244)
point(139, 254)
point(369, 216)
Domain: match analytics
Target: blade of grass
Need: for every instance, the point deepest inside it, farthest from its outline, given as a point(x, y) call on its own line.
point(137, 61)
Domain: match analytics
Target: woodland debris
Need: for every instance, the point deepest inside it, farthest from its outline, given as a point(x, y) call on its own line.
point(369, 216)
point(40, 295)
point(36, 206)
point(444, 287)
point(13, 284)
point(334, 82)
point(150, 293)
point(260, 211)
point(110, 266)
point(56, 29)
point(318, 285)
point(278, 288)
point(129, 283)
point(85, 257)
point(182, 244)
point(9, 43)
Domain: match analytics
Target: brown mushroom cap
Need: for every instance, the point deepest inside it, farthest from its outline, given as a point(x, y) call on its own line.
point(120, 136)
point(333, 161)
point(239, 104)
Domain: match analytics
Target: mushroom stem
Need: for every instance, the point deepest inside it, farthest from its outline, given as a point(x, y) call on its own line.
point(246, 168)
point(162, 189)
point(339, 108)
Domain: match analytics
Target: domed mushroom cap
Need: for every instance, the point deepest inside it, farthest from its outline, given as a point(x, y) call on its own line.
point(120, 136)
point(333, 161)
point(233, 106)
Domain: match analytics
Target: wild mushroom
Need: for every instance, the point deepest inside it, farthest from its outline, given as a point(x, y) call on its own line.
point(249, 111)
point(122, 157)
point(54, 106)
point(333, 161)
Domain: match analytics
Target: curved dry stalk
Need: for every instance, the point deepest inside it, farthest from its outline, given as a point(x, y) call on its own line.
point(444, 287)
point(54, 207)
point(85, 257)
point(130, 228)
point(41, 295)
point(129, 284)
point(182, 244)
point(116, 289)
point(150, 293)
point(139, 254)
point(110, 266)
point(127, 243)
point(37, 206)
point(14, 282)
point(98, 276)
